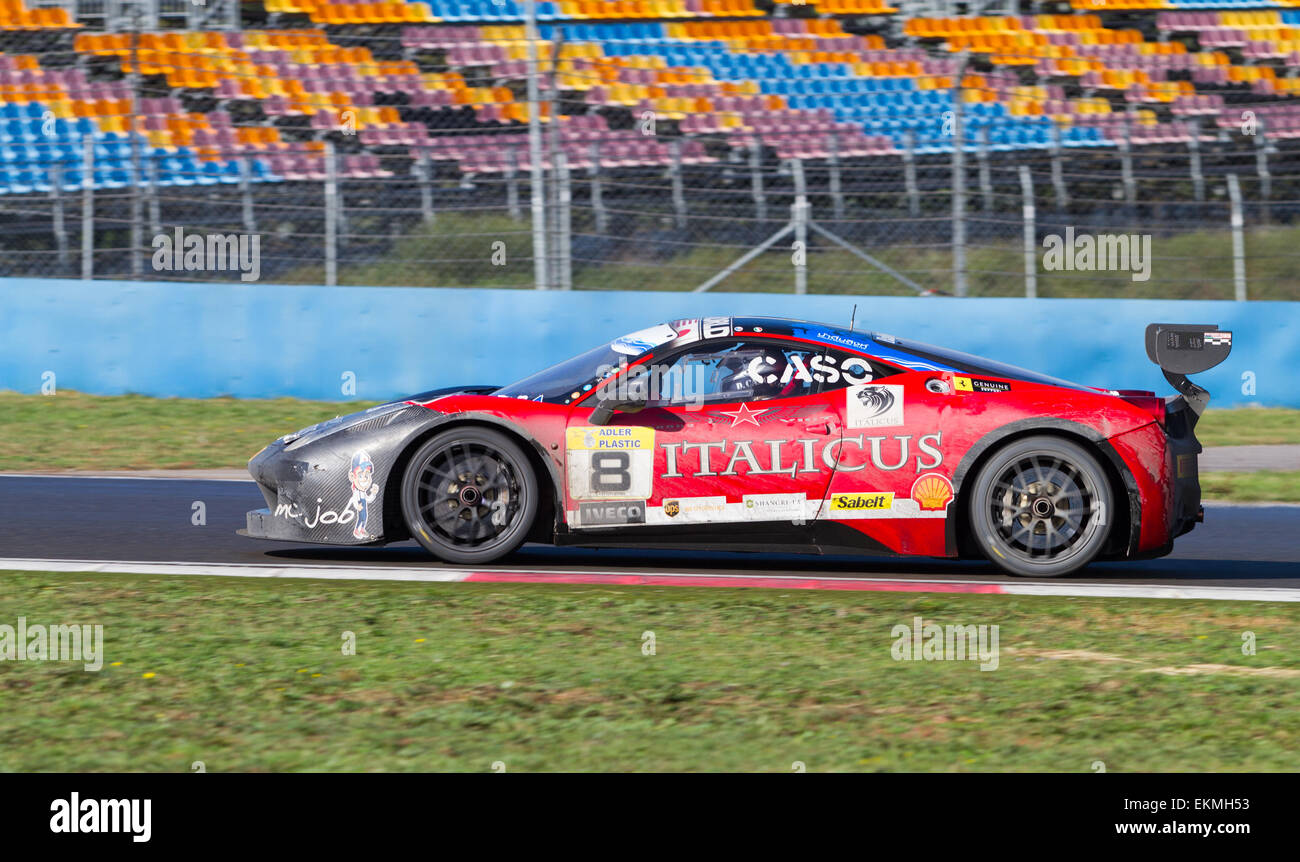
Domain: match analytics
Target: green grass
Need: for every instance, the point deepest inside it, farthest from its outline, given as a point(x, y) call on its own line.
point(74, 431)
point(250, 675)
point(1244, 426)
point(457, 250)
point(1265, 486)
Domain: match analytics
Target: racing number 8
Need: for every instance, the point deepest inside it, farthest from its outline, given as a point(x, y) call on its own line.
point(610, 473)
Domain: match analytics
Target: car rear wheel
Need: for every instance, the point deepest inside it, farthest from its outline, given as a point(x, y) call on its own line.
point(1041, 507)
point(469, 495)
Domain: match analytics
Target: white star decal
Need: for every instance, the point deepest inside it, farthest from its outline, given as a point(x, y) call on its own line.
point(744, 414)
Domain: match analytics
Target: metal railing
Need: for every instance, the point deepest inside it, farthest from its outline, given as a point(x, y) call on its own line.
point(1209, 220)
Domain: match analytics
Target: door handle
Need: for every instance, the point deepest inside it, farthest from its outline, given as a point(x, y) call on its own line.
point(817, 426)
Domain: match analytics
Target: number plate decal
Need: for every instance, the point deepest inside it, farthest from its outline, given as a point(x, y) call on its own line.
point(610, 462)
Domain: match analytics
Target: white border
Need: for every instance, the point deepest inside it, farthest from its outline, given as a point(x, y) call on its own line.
point(438, 574)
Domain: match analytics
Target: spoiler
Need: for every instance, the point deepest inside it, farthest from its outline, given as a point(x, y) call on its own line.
point(1187, 348)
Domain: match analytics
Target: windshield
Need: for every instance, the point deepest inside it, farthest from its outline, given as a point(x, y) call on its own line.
point(567, 381)
point(571, 379)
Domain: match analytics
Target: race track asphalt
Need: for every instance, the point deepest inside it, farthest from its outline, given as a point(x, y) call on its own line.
point(135, 519)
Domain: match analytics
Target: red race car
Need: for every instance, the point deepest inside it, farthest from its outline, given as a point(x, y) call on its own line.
point(755, 433)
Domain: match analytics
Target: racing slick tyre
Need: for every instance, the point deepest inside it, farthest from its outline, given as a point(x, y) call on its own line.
point(469, 495)
point(1041, 507)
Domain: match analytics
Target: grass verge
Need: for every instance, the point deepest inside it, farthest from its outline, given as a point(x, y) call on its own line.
point(250, 675)
point(1275, 486)
point(1249, 426)
point(74, 431)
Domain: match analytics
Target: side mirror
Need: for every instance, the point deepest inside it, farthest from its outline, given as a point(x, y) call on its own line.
point(606, 408)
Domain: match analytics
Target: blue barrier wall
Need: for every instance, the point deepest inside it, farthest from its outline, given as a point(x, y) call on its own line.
point(257, 341)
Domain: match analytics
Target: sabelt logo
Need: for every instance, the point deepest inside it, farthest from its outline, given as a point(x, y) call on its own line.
point(865, 500)
point(610, 514)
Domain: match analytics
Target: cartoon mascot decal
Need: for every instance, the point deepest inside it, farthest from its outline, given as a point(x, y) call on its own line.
point(364, 491)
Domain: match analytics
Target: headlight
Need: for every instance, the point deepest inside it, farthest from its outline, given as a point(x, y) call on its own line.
point(338, 423)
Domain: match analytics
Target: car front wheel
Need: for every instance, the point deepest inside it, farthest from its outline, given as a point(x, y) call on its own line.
point(1041, 507)
point(469, 495)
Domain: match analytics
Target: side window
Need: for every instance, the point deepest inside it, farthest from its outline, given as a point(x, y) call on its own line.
point(751, 370)
point(836, 369)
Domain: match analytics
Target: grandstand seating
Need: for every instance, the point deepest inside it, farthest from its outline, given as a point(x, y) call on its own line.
point(443, 78)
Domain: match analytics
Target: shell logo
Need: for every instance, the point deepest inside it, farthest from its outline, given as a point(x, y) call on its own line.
point(932, 492)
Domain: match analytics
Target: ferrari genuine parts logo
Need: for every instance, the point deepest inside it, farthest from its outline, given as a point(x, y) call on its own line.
point(975, 384)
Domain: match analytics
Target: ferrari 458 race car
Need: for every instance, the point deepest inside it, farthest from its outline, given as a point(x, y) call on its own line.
point(754, 433)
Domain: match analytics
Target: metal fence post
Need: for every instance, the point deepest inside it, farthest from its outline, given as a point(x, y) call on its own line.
point(1058, 178)
point(555, 149)
point(756, 178)
point(1194, 159)
point(246, 193)
point(1238, 240)
point(986, 182)
point(1126, 164)
point(537, 193)
point(133, 132)
point(87, 207)
point(1261, 168)
point(425, 171)
point(151, 197)
point(56, 195)
point(137, 211)
point(909, 173)
point(331, 217)
point(958, 185)
point(837, 198)
point(799, 218)
point(597, 197)
point(1031, 232)
point(512, 183)
point(564, 250)
point(679, 199)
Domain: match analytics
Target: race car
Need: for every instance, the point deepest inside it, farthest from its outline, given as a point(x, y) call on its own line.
point(762, 434)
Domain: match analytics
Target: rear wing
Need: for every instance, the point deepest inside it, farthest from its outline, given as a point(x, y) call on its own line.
point(1187, 348)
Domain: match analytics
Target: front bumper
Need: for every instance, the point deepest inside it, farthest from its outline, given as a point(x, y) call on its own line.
point(310, 486)
point(309, 498)
point(262, 524)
